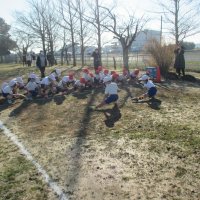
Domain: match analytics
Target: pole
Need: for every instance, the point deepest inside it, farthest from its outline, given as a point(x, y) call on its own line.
point(161, 30)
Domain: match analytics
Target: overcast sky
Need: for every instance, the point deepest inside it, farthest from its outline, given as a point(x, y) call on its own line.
point(147, 7)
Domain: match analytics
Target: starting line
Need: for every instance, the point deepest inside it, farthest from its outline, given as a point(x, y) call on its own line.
point(53, 185)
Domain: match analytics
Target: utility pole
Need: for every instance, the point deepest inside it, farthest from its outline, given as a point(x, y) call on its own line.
point(161, 30)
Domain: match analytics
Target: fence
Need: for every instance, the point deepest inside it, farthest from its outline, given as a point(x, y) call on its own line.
point(140, 60)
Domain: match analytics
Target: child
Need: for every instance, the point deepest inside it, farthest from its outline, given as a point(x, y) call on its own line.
point(64, 84)
point(8, 91)
point(32, 87)
point(80, 84)
point(151, 88)
point(134, 74)
point(57, 74)
point(111, 92)
point(48, 84)
point(20, 82)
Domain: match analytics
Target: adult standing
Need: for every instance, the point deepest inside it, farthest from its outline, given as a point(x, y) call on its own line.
point(41, 63)
point(33, 59)
point(28, 59)
point(179, 63)
point(96, 57)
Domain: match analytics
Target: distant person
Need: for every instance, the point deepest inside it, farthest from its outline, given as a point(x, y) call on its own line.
point(179, 63)
point(41, 63)
point(96, 57)
point(33, 59)
point(28, 59)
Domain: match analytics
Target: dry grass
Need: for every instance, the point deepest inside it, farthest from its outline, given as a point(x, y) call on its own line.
point(147, 154)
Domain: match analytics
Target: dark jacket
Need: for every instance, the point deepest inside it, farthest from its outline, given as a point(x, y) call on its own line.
point(39, 63)
point(179, 58)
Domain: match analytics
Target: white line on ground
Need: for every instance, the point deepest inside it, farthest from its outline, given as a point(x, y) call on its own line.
point(53, 185)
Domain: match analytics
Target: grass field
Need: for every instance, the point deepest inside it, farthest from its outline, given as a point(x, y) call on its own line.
point(134, 152)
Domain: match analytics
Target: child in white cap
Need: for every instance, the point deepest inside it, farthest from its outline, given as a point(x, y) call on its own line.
point(149, 85)
point(48, 85)
point(57, 74)
point(32, 87)
point(111, 92)
point(8, 91)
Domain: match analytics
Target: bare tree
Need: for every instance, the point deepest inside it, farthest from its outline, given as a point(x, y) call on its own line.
point(182, 18)
point(125, 31)
point(83, 28)
point(95, 16)
point(52, 28)
point(24, 41)
point(69, 21)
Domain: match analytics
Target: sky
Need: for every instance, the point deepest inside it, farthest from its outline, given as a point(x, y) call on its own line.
point(146, 7)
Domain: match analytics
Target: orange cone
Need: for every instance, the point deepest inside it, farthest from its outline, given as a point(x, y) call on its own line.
point(158, 75)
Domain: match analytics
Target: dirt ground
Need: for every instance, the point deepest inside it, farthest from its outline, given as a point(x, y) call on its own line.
point(134, 152)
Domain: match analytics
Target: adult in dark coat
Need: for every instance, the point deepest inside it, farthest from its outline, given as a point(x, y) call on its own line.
point(179, 63)
point(96, 57)
point(41, 63)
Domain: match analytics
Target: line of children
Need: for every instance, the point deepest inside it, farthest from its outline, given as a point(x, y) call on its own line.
point(53, 84)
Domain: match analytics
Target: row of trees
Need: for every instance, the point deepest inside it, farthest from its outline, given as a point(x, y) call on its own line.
point(54, 24)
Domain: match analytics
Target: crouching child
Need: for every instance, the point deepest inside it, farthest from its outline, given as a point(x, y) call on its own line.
point(63, 85)
point(48, 85)
point(111, 92)
point(149, 85)
point(9, 91)
point(32, 87)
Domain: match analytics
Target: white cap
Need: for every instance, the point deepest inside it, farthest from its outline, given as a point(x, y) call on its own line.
point(12, 83)
point(32, 76)
point(65, 79)
point(144, 78)
point(19, 80)
point(107, 79)
point(37, 80)
point(58, 72)
point(52, 77)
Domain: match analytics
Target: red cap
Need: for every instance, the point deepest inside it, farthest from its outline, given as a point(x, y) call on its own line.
point(91, 74)
point(136, 71)
point(82, 80)
point(113, 72)
point(105, 71)
point(86, 71)
point(71, 77)
point(115, 75)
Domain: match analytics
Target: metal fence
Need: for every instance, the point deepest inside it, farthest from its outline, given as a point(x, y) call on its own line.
point(140, 60)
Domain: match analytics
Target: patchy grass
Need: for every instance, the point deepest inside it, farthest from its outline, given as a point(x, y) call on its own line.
point(18, 178)
point(135, 152)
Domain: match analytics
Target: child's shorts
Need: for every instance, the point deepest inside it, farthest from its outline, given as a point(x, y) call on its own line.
point(33, 93)
point(111, 98)
point(5, 94)
point(152, 92)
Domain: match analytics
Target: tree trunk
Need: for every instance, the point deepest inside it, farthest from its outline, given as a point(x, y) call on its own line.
point(176, 21)
point(125, 58)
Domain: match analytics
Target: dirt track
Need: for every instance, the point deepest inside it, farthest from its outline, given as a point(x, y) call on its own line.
point(148, 154)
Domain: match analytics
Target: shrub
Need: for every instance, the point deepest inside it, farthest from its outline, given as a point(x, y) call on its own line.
point(162, 55)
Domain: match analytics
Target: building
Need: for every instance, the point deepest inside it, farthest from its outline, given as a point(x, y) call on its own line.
point(142, 39)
